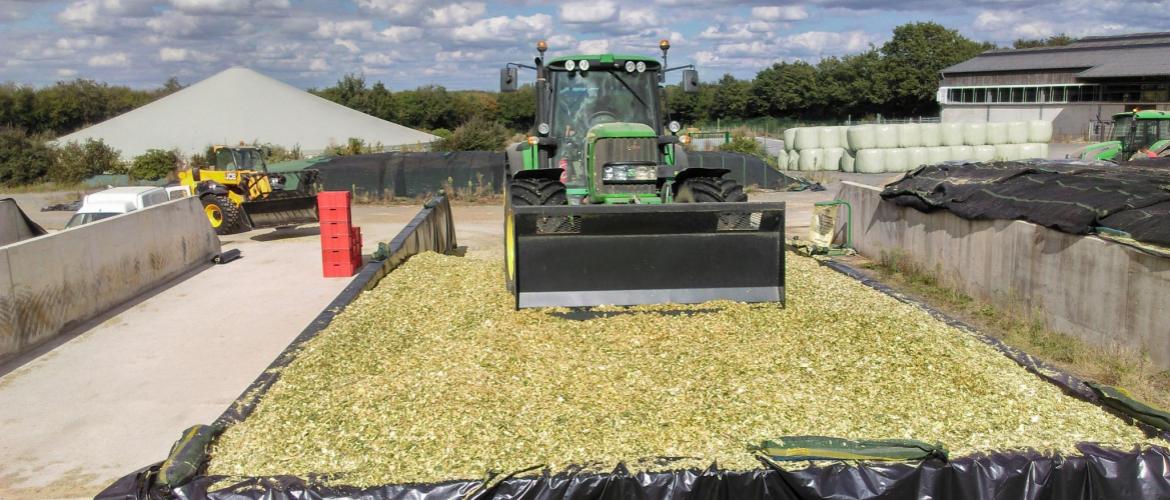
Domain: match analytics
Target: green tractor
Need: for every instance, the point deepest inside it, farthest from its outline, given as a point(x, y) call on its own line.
point(603, 208)
point(1132, 132)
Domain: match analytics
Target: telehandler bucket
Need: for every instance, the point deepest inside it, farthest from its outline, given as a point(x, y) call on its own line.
point(285, 207)
point(591, 255)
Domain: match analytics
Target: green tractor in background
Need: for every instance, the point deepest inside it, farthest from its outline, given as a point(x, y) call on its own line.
point(601, 206)
point(1131, 132)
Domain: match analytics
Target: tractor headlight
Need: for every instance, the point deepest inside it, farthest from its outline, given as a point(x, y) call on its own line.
point(641, 66)
point(570, 65)
point(584, 65)
point(543, 129)
point(607, 174)
point(620, 174)
point(630, 66)
point(645, 173)
point(674, 127)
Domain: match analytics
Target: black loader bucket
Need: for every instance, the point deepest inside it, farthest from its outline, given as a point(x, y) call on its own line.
point(281, 209)
point(590, 255)
point(285, 207)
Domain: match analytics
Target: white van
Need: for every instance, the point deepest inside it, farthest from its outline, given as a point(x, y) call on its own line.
point(116, 201)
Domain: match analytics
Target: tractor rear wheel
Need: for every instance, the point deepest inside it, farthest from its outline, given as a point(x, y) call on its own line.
point(699, 190)
point(537, 192)
point(732, 191)
point(223, 215)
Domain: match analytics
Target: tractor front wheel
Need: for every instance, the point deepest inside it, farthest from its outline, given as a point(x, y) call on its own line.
point(223, 215)
point(537, 192)
point(700, 190)
point(732, 191)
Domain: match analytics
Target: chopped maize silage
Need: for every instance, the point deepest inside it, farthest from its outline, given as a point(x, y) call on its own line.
point(432, 376)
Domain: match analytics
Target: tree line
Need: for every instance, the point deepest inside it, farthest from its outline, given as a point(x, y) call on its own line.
point(897, 79)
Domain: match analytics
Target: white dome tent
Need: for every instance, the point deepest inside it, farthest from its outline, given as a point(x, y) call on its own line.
point(239, 104)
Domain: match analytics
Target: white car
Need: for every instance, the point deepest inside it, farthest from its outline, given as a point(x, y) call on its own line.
point(120, 200)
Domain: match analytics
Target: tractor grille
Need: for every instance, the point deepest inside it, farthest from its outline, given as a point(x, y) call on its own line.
point(636, 149)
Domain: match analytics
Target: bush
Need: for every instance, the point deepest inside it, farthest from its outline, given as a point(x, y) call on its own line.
point(23, 159)
point(76, 162)
point(442, 133)
point(744, 144)
point(154, 164)
point(477, 134)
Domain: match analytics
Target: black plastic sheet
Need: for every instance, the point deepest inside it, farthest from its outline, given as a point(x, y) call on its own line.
point(746, 169)
point(1070, 196)
point(381, 176)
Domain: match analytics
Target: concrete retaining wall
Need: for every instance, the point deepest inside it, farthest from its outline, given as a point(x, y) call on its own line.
point(1102, 292)
point(51, 283)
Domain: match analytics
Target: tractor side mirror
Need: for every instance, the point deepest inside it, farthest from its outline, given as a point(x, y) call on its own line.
point(690, 81)
point(509, 79)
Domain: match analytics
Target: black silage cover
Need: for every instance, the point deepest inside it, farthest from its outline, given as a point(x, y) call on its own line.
point(1070, 196)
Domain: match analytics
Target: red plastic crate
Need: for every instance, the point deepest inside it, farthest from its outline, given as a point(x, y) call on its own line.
point(335, 228)
point(334, 199)
point(335, 214)
point(341, 269)
point(336, 241)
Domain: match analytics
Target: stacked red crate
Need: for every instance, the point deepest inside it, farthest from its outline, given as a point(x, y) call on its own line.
point(341, 243)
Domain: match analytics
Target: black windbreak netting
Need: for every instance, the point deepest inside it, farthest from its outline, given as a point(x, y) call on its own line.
point(745, 169)
point(407, 175)
point(1070, 196)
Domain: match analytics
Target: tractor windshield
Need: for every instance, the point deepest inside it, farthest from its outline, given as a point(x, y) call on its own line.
point(1121, 128)
point(587, 98)
point(239, 159)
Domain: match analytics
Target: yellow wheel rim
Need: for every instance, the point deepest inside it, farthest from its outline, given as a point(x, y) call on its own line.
point(214, 214)
point(509, 250)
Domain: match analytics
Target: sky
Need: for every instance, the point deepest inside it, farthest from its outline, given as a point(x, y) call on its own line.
point(462, 44)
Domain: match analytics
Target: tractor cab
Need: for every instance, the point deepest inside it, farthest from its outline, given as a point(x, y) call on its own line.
point(1131, 132)
point(240, 158)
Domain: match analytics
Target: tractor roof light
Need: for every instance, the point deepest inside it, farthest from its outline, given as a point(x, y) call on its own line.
point(641, 66)
point(533, 140)
point(630, 66)
point(570, 65)
point(584, 65)
point(664, 44)
point(674, 127)
point(541, 46)
point(684, 139)
point(543, 129)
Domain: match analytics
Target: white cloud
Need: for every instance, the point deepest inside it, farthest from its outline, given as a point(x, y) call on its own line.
point(378, 59)
point(333, 29)
point(779, 13)
point(825, 43)
point(66, 73)
point(171, 54)
point(400, 34)
point(456, 14)
point(348, 44)
point(82, 43)
point(99, 13)
point(318, 64)
point(504, 29)
point(588, 11)
point(228, 6)
point(113, 60)
point(599, 46)
point(632, 20)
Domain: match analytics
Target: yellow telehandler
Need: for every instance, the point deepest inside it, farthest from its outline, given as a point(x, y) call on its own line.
point(238, 192)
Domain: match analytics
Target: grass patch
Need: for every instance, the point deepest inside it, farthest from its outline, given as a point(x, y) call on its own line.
point(1026, 330)
point(44, 187)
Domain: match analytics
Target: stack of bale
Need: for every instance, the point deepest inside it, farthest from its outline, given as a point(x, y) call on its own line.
point(904, 147)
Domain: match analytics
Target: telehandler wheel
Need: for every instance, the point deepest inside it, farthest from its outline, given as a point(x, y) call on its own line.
point(732, 191)
point(700, 190)
point(537, 192)
point(223, 215)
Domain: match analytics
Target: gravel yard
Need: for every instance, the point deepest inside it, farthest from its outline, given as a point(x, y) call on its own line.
point(432, 376)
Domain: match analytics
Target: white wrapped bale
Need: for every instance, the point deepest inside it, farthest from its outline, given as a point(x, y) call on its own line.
point(974, 134)
point(1017, 132)
point(997, 133)
point(917, 157)
point(909, 135)
point(794, 160)
point(861, 137)
point(789, 139)
point(812, 160)
point(938, 154)
point(842, 137)
point(1039, 131)
point(782, 159)
point(985, 153)
point(962, 153)
point(807, 138)
point(1030, 151)
point(870, 161)
point(951, 134)
point(930, 133)
point(828, 137)
point(1005, 152)
point(887, 136)
point(833, 158)
point(848, 162)
point(896, 160)
point(1044, 150)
